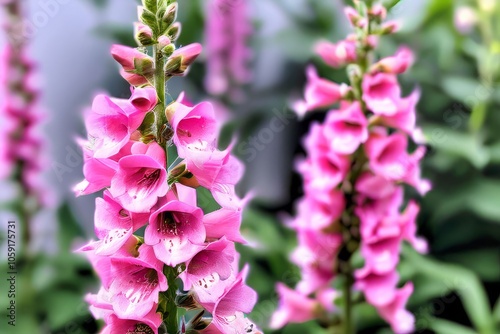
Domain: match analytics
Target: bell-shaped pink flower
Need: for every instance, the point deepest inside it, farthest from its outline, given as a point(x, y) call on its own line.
point(134, 283)
point(339, 54)
point(382, 93)
point(147, 324)
point(401, 321)
point(193, 125)
point(215, 260)
point(319, 93)
point(346, 129)
point(322, 213)
point(405, 118)
point(114, 226)
point(379, 290)
point(237, 298)
point(144, 99)
point(396, 64)
point(224, 223)
point(141, 178)
point(175, 228)
point(293, 307)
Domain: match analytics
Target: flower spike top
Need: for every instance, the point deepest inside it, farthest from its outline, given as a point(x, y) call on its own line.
point(150, 158)
point(357, 161)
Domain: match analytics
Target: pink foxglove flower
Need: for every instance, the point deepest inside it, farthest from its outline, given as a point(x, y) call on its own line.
point(353, 197)
point(227, 32)
point(151, 229)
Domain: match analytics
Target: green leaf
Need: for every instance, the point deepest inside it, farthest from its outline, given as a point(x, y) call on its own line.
point(151, 5)
point(452, 142)
point(446, 327)
point(149, 19)
point(63, 307)
point(461, 280)
point(463, 89)
point(478, 261)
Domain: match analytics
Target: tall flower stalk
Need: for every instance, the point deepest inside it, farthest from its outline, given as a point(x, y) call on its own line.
point(150, 157)
point(357, 162)
point(227, 31)
point(21, 143)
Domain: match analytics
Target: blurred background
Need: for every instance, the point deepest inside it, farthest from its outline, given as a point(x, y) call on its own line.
point(457, 47)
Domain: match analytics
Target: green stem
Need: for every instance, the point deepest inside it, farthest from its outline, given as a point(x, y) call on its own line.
point(348, 321)
point(159, 77)
point(171, 318)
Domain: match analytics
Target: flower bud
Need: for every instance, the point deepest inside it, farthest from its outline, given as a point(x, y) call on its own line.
point(378, 12)
point(181, 59)
point(174, 31)
point(170, 14)
point(390, 28)
point(168, 50)
point(163, 41)
point(143, 34)
point(353, 16)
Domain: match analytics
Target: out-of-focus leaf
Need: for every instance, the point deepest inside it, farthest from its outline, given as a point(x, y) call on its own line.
point(463, 281)
point(479, 261)
point(64, 306)
point(465, 145)
point(447, 327)
point(463, 89)
point(496, 312)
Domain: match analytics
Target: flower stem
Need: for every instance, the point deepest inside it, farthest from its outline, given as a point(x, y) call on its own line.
point(159, 78)
point(348, 323)
point(171, 318)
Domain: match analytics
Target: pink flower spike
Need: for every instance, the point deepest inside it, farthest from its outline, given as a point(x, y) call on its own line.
point(175, 230)
point(388, 156)
point(382, 93)
point(319, 93)
point(135, 283)
point(141, 178)
point(346, 129)
point(293, 307)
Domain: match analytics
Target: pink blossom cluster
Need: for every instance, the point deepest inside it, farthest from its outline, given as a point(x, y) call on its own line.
point(357, 162)
point(21, 141)
point(186, 257)
point(227, 30)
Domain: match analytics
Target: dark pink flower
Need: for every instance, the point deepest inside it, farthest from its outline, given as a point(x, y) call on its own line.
point(175, 228)
point(140, 178)
point(346, 129)
point(293, 307)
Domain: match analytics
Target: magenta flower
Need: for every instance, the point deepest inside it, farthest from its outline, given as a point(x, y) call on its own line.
point(346, 129)
point(140, 178)
point(382, 93)
point(396, 64)
point(130, 144)
point(319, 93)
point(227, 32)
point(237, 298)
point(352, 174)
point(293, 307)
point(339, 54)
point(114, 226)
point(133, 282)
point(175, 228)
